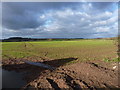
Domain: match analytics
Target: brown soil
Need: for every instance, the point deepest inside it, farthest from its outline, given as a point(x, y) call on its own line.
point(91, 74)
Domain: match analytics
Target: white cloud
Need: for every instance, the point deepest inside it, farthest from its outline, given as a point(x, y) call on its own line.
point(112, 20)
point(42, 16)
point(102, 29)
point(72, 21)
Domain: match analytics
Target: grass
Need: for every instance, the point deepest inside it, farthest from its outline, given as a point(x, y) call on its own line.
point(112, 60)
point(82, 49)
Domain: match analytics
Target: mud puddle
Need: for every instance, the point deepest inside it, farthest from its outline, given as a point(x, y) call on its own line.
point(12, 79)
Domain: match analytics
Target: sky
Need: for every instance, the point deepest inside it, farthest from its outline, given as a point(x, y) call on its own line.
point(59, 19)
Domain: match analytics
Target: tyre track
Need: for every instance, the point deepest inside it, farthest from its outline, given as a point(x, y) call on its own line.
point(104, 69)
point(100, 67)
point(74, 85)
point(53, 84)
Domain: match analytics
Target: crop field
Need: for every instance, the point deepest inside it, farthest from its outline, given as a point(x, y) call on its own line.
point(81, 49)
point(78, 63)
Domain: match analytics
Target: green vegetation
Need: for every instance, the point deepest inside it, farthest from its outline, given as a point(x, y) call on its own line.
point(112, 60)
point(81, 49)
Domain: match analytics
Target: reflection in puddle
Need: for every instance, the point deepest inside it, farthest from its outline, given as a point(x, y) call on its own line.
point(12, 79)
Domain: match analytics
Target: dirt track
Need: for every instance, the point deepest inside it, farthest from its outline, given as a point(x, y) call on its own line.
point(92, 75)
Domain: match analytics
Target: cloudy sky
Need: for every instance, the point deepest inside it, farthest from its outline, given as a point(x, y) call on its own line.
point(59, 19)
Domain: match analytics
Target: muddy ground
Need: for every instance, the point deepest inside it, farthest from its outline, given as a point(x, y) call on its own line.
point(90, 74)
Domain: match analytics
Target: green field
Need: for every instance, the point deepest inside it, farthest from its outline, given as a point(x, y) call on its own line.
point(81, 49)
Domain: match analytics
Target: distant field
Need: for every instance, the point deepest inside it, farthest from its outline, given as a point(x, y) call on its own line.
point(81, 49)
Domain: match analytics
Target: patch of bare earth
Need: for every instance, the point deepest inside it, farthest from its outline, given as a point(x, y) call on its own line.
point(79, 75)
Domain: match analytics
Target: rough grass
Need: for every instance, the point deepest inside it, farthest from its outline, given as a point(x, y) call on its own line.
point(112, 60)
point(81, 49)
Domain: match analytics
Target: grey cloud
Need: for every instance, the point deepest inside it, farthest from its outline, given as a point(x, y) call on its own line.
point(58, 20)
point(25, 15)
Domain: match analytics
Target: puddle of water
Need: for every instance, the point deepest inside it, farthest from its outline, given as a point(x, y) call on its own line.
point(12, 79)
